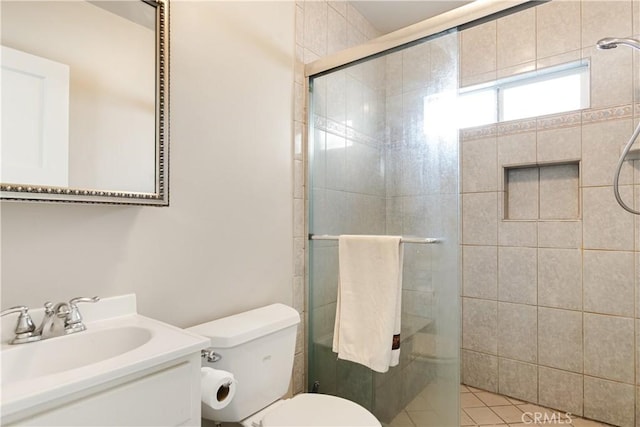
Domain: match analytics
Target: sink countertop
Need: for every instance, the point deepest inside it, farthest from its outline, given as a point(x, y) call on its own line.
point(166, 343)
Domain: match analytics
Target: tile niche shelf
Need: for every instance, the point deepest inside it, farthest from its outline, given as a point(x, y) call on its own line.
point(542, 192)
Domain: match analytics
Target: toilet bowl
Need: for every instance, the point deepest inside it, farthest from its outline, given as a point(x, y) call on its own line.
point(257, 347)
point(312, 409)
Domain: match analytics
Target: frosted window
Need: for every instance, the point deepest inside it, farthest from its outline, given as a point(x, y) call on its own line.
point(548, 96)
point(547, 91)
point(477, 108)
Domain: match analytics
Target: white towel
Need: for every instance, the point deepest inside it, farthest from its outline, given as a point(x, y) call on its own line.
point(369, 301)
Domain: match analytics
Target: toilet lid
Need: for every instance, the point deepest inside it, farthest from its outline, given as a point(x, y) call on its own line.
point(313, 409)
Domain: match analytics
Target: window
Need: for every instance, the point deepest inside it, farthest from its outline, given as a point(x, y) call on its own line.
point(546, 91)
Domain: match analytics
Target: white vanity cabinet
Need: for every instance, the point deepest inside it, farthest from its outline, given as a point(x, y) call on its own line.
point(166, 395)
point(124, 370)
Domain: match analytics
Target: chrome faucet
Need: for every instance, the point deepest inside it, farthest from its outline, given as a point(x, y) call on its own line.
point(54, 322)
point(59, 319)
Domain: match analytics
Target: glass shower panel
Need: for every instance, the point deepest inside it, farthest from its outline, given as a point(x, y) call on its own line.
point(383, 159)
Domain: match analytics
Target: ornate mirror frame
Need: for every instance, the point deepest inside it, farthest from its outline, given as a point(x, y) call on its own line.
point(160, 197)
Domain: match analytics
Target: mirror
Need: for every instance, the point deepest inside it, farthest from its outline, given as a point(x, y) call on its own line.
point(85, 101)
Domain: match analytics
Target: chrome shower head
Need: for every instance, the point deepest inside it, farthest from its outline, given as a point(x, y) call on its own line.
point(607, 43)
point(612, 42)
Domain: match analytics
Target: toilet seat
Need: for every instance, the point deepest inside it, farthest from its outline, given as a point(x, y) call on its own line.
point(313, 409)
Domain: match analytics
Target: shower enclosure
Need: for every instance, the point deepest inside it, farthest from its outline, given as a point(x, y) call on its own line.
point(383, 160)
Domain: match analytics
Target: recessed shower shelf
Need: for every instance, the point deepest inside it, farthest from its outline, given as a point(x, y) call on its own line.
point(542, 192)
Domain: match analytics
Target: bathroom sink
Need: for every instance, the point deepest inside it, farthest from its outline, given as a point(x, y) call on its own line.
point(28, 361)
point(118, 344)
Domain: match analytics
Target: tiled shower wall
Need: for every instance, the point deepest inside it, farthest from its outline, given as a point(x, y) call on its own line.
point(322, 27)
point(551, 263)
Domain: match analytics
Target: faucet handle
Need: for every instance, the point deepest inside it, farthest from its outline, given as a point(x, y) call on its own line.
point(25, 324)
point(24, 327)
point(76, 300)
point(22, 309)
point(74, 318)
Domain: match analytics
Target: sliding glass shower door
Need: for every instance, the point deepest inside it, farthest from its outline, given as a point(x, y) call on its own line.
point(383, 159)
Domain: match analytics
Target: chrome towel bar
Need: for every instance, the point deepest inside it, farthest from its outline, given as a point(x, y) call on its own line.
point(422, 240)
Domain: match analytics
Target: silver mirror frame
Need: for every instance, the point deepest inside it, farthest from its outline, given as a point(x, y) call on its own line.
point(36, 193)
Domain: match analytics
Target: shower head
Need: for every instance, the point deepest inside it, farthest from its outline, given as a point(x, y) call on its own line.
point(611, 42)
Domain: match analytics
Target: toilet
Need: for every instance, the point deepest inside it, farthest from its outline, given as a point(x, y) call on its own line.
point(257, 347)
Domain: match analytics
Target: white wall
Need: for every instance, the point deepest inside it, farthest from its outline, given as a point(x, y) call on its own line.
point(225, 243)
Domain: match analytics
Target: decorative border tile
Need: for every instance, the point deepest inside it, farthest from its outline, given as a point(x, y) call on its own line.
point(611, 113)
point(556, 121)
point(479, 132)
point(560, 121)
point(517, 126)
point(330, 126)
point(340, 129)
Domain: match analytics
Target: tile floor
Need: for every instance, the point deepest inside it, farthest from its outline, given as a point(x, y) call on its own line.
point(482, 408)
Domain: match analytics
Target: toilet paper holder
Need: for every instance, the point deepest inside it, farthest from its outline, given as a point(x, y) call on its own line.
point(210, 355)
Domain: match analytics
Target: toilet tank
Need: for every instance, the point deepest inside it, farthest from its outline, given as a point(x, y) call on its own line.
point(257, 347)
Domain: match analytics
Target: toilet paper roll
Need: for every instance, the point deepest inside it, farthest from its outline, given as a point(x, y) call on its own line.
point(217, 387)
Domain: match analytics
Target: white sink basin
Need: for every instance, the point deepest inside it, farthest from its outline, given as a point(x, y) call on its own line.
point(28, 361)
point(118, 343)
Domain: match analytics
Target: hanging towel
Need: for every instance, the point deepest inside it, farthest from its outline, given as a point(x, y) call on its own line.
point(367, 326)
